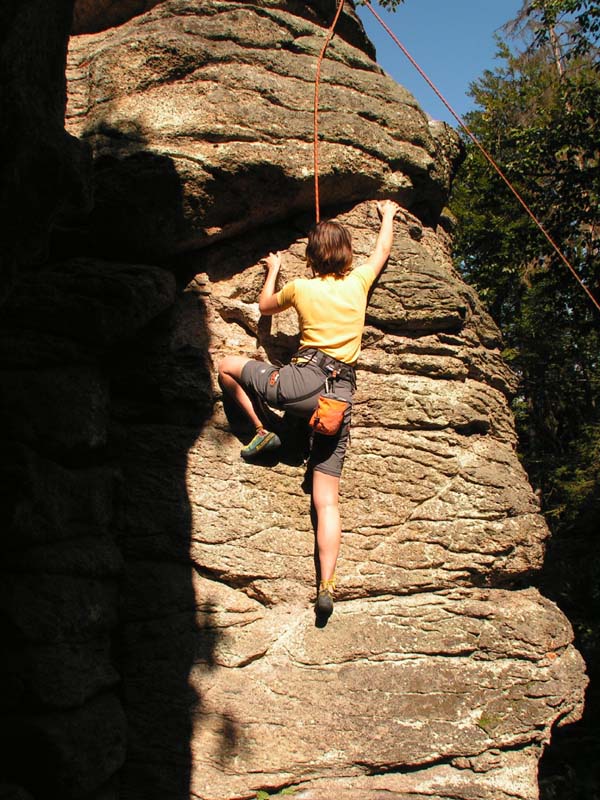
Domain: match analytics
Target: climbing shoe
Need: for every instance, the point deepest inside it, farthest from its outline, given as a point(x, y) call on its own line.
point(324, 604)
point(261, 443)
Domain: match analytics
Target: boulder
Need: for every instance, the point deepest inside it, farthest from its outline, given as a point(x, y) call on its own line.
point(200, 118)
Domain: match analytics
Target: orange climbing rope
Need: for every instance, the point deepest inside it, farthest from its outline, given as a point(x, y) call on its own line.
point(486, 155)
point(316, 110)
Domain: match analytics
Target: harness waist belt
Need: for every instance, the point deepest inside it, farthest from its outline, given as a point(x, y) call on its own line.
point(327, 363)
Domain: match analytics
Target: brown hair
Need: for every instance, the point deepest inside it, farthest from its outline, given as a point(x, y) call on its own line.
point(329, 248)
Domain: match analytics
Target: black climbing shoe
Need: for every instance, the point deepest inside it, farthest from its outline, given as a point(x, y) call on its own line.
point(324, 604)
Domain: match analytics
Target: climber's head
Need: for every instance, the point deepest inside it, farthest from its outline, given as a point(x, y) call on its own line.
point(329, 248)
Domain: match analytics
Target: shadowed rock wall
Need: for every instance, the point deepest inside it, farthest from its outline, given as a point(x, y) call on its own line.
point(157, 600)
point(43, 169)
point(91, 16)
point(93, 360)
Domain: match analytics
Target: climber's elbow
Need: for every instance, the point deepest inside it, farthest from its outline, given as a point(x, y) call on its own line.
point(268, 305)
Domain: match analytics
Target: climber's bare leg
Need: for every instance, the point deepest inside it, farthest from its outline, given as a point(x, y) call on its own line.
point(325, 495)
point(230, 374)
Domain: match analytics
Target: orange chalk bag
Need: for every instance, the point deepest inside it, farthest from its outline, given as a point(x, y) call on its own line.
point(328, 416)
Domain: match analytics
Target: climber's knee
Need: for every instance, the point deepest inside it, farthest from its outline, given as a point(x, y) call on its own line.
point(325, 493)
point(231, 366)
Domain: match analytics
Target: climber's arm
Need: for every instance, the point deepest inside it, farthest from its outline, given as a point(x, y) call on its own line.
point(383, 246)
point(267, 302)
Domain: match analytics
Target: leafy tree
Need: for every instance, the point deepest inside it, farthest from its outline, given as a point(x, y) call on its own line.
point(541, 126)
point(537, 114)
point(581, 16)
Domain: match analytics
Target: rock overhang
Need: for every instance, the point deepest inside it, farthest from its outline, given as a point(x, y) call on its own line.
point(210, 125)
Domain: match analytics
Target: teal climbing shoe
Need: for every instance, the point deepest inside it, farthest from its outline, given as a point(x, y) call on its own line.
point(262, 443)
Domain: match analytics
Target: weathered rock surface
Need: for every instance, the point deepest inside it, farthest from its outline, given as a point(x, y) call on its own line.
point(415, 687)
point(452, 682)
point(72, 381)
point(156, 607)
point(395, 684)
point(433, 493)
point(200, 116)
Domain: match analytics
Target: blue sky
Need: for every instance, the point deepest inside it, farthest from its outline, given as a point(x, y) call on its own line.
point(452, 41)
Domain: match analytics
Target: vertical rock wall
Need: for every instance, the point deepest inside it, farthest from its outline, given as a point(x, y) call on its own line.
point(92, 363)
point(91, 354)
point(456, 678)
point(157, 592)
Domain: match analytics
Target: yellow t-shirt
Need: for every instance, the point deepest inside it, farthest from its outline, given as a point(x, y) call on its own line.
point(331, 310)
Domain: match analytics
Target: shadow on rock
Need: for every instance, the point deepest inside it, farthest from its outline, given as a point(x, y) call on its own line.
point(570, 766)
point(106, 384)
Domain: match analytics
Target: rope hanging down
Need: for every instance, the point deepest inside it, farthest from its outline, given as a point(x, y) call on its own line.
point(488, 157)
point(316, 110)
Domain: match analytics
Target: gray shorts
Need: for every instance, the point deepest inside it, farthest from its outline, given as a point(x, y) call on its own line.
point(295, 388)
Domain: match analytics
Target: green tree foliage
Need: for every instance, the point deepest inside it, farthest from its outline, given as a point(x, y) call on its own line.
point(539, 120)
point(583, 16)
point(538, 115)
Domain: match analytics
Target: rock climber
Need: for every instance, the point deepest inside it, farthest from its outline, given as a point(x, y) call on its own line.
point(331, 312)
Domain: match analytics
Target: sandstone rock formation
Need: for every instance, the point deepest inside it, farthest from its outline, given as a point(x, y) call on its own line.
point(433, 498)
point(157, 602)
point(201, 120)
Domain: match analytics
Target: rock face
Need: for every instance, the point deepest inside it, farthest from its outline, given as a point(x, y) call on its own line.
point(433, 498)
point(157, 603)
point(450, 684)
point(201, 120)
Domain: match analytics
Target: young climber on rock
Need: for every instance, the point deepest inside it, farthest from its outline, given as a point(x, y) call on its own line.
point(331, 311)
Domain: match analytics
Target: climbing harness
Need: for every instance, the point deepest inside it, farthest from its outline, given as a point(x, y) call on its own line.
point(331, 368)
point(328, 416)
point(330, 365)
point(460, 121)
